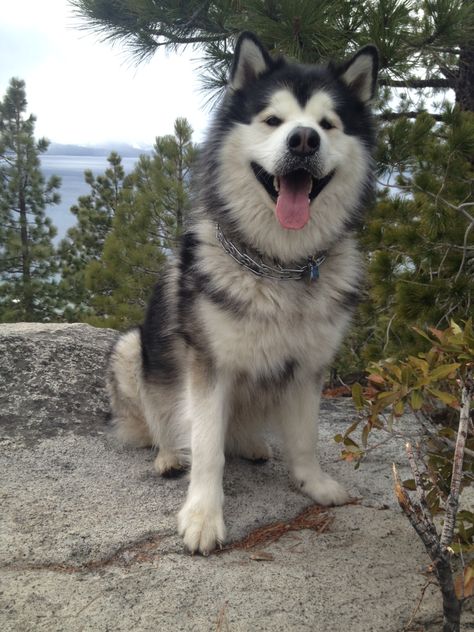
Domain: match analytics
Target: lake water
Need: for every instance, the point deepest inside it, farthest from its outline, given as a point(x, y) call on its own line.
point(71, 171)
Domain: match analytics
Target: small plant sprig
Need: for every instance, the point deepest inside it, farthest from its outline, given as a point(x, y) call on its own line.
point(437, 387)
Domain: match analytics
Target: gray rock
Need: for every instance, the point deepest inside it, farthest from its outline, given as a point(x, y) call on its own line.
point(88, 535)
point(52, 380)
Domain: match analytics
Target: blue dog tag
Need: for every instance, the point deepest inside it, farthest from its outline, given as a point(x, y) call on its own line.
point(313, 271)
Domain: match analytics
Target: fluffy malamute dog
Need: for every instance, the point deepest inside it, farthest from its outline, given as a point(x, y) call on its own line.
point(243, 325)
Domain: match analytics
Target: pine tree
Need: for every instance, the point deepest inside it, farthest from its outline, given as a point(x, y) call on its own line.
point(28, 290)
point(422, 44)
point(146, 226)
point(84, 242)
point(421, 240)
point(175, 155)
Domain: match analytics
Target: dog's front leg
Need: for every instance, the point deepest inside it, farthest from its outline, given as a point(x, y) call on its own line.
point(298, 416)
point(201, 521)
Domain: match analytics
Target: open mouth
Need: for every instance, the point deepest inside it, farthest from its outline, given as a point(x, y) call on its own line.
point(292, 192)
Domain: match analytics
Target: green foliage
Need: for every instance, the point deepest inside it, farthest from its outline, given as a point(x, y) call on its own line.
point(126, 226)
point(149, 217)
point(428, 385)
point(28, 290)
point(84, 242)
point(420, 242)
point(415, 38)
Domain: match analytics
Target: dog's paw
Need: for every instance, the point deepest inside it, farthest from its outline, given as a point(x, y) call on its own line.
point(201, 527)
point(324, 490)
point(169, 464)
point(258, 452)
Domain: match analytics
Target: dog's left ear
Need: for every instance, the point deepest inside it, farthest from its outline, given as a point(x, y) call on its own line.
point(251, 59)
point(360, 72)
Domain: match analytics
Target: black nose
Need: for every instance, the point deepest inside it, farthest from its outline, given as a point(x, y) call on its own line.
point(303, 141)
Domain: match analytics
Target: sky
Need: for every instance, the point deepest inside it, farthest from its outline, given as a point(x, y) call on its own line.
point(87, 92)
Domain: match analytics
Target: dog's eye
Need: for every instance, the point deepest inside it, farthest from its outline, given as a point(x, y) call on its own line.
point(325, 124)
point(273, 121)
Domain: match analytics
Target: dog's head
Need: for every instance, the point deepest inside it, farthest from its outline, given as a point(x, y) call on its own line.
point(290, 149)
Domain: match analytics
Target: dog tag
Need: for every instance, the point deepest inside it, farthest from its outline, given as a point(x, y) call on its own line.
point(313, 271)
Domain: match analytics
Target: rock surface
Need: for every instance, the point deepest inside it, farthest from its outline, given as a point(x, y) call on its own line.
point(88, 537)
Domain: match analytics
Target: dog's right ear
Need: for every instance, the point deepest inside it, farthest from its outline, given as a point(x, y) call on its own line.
point(251, 59)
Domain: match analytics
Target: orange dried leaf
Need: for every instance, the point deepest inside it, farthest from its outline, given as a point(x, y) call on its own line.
point(370, 392)
point(437, 332)
point(376, 379)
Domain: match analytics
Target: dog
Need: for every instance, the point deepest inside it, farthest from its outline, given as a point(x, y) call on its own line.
point(248, 316)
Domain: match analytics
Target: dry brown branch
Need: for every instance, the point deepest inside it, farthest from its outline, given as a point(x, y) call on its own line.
point(419, 488)
point(417, 512)
point(453, 498)
point(426, 530)
point(417, 607)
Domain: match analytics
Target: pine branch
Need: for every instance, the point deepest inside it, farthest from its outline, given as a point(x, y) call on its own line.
point(192, 20)
point(173, 40)
point(443, 84)
point(461, 208)
point(392, 116)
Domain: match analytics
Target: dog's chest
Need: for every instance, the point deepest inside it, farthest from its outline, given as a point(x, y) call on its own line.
point(283, 322)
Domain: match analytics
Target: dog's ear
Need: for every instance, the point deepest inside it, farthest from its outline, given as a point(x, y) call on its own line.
point(360, 72)
point(251, 59)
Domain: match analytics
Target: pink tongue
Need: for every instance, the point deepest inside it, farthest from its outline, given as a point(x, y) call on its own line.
point(292, 207)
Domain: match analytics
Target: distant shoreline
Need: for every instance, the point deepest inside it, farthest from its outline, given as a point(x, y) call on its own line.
point(124, 150)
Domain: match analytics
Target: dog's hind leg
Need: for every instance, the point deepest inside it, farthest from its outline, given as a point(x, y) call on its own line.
point(166, 417)
point(146, 413)
point(124, 382)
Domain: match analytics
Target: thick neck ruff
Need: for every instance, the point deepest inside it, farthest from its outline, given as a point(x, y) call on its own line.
point(306, 269)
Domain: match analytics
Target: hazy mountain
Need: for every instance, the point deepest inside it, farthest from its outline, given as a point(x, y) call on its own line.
point(124, 150)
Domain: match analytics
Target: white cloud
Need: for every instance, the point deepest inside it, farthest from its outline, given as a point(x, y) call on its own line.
point(87, 92)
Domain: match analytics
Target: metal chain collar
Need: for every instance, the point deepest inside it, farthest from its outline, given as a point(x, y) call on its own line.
point(309, 270)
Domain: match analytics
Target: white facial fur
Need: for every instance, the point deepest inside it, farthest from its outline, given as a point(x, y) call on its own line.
point(266, 145)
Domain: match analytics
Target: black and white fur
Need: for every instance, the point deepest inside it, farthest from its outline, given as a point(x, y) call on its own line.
point(223, 351)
